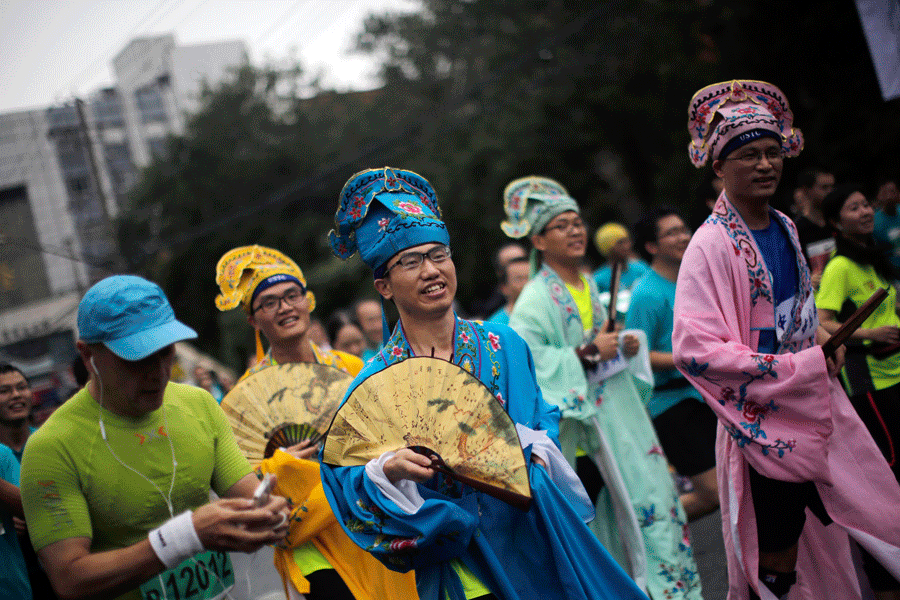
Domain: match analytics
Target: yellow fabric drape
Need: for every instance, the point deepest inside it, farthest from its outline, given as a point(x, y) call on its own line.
point(313, 520)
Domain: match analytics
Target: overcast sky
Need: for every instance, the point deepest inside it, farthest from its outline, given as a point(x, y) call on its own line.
point(51, 50)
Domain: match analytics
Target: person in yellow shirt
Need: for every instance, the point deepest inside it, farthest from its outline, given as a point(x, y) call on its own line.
point(320, 561)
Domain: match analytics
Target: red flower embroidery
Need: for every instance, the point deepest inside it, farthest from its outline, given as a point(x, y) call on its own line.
point(494, 339)
point(754, 410)
point(396, 351)
point(383, 223)
point(464, 337)
point(500, 399)
point(354, 213)
point(410, 208)
point(401, 544)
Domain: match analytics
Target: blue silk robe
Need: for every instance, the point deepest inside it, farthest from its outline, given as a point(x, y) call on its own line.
point(546, 552)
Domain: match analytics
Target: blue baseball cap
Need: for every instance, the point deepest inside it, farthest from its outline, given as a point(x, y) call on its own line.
point(131, 316)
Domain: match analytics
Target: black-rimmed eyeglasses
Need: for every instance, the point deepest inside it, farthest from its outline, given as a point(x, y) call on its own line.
point(293, 298)
point(412, 260)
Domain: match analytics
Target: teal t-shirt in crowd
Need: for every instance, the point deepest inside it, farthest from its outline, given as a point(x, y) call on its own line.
point(13, 572)
point(651, 310)
point(501, 316)
point(887, 231)
point(19, 454)
point(635, 269)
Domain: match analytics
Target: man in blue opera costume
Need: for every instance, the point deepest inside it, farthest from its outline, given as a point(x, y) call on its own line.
point(462, 544)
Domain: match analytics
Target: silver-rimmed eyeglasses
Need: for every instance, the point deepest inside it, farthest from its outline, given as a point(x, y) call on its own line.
point(752, 158)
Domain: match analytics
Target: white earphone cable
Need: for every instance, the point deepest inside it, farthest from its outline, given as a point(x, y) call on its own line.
point(166, 498)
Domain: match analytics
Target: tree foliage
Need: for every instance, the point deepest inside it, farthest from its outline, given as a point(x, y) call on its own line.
point(478, 92)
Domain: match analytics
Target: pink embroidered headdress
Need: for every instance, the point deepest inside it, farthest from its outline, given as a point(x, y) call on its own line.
point(726, 115)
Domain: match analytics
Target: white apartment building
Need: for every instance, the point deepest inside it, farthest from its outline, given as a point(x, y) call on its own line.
point(65, 172)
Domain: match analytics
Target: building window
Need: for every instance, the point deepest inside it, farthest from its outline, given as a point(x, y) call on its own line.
point(24, 277)
point(108, 109)
point(157, 147)
point(71, 151)
point(150, 103)
point(79, 188)
point(121, 169)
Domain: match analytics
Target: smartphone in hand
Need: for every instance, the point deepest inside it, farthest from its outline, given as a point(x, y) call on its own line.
point(261, 495)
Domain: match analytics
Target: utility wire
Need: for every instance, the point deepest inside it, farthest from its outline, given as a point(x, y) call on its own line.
point(287, 195)
point(92, 67)
point(37, 247)
point(279, 22)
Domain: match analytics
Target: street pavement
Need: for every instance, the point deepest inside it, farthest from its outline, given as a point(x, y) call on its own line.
point(706, 538)
point(709, 552)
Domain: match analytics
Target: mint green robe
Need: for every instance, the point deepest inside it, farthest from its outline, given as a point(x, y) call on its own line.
point(639, 517)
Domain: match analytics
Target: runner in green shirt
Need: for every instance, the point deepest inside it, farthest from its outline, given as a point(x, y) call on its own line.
point(115, 485)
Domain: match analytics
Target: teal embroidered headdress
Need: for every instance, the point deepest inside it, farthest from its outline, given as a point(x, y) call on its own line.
point(532, 202)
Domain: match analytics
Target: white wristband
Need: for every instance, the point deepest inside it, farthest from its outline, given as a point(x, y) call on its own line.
point(176, 540)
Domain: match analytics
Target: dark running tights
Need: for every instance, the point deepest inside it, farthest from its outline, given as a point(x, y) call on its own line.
point(326, 584)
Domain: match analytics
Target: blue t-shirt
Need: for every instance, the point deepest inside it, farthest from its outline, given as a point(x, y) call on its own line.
point(887, 231)
point(781, 262)
point(13, 572)
point(652, 311)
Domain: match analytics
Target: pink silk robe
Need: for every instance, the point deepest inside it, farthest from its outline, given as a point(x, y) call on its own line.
point(781, 413)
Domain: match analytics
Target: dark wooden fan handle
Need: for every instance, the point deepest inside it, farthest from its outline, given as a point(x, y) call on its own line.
point(437, 463)
point(853, 323)
point(615, 277)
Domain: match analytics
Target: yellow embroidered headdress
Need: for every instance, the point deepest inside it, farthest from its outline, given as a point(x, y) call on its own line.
point(246, 271)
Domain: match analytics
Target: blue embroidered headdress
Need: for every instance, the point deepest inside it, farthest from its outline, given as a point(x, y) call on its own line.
point(382, 212)
point(385, 211)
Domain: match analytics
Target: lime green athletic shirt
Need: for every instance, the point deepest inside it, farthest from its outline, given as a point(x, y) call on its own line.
point(582, 300)
point(845, 280)
point(72, 485)
point(472, 586)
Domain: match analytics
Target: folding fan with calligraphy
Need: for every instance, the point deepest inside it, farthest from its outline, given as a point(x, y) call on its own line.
point(440, 410)
point(283, 405)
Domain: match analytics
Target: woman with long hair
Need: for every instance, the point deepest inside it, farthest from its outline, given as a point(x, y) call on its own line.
point(871, 372)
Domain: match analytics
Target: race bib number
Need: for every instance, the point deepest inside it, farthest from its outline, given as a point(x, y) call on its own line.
point(207, 576)
point(607, 368)
point(784, 315)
